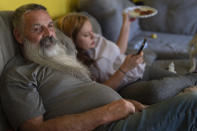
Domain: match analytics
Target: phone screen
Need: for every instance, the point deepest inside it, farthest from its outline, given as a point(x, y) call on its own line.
point(142, 46)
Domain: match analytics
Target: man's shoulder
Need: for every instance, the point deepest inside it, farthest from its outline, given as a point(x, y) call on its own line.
point(18, 64)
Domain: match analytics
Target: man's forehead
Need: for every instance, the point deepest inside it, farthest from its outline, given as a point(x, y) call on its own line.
point(37, 16)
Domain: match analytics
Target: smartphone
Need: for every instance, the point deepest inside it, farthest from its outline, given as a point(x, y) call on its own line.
point(142, 46)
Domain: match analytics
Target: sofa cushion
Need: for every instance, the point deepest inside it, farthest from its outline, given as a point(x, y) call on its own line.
point(8, 46)
point(166, 46)
point(109, 15)
point(174, 16)
point(8, 49)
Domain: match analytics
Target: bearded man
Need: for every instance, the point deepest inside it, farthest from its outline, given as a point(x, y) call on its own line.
point(48, 89)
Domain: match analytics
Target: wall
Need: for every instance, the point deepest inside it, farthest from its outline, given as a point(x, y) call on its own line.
point(55, 7)
point(137, 1)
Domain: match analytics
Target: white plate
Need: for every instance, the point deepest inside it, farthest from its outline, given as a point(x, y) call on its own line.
point(141, 11)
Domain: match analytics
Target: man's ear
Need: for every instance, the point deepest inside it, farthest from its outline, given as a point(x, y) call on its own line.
point(18, 36)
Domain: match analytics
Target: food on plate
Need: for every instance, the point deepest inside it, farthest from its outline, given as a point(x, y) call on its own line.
point(147, 12)
point(143, 12)
point(137, 10)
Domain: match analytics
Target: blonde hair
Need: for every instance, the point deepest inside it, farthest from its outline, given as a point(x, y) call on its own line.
point(71, 24)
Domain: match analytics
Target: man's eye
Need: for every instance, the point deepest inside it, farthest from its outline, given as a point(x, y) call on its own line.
point(37, 30)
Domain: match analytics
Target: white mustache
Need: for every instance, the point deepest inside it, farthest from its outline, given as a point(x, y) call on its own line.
point(48, 41)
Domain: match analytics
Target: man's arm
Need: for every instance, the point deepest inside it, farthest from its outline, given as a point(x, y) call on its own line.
point(86, 121)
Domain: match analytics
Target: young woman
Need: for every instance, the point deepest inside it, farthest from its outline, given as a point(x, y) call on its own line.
point(104, 58)
point(109, 65)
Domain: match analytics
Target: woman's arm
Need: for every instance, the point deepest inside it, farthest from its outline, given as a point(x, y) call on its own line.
point(86, 121)
point(115, 80)
point(124, 33)
point(130, 62)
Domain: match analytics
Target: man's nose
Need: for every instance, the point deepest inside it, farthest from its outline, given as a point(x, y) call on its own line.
point(47, 32)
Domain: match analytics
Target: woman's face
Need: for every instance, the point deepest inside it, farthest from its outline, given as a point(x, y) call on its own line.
point(85, 37)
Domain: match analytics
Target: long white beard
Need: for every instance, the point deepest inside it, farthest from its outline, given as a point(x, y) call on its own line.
point(55, 57)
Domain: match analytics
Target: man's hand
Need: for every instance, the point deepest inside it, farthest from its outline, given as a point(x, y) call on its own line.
point(138, 106)
point(119, 109)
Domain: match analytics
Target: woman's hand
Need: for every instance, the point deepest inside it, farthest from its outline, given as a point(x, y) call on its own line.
point(131, 61)
point(127, 19)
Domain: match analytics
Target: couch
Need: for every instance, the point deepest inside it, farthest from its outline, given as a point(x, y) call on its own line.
point(175, 24)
